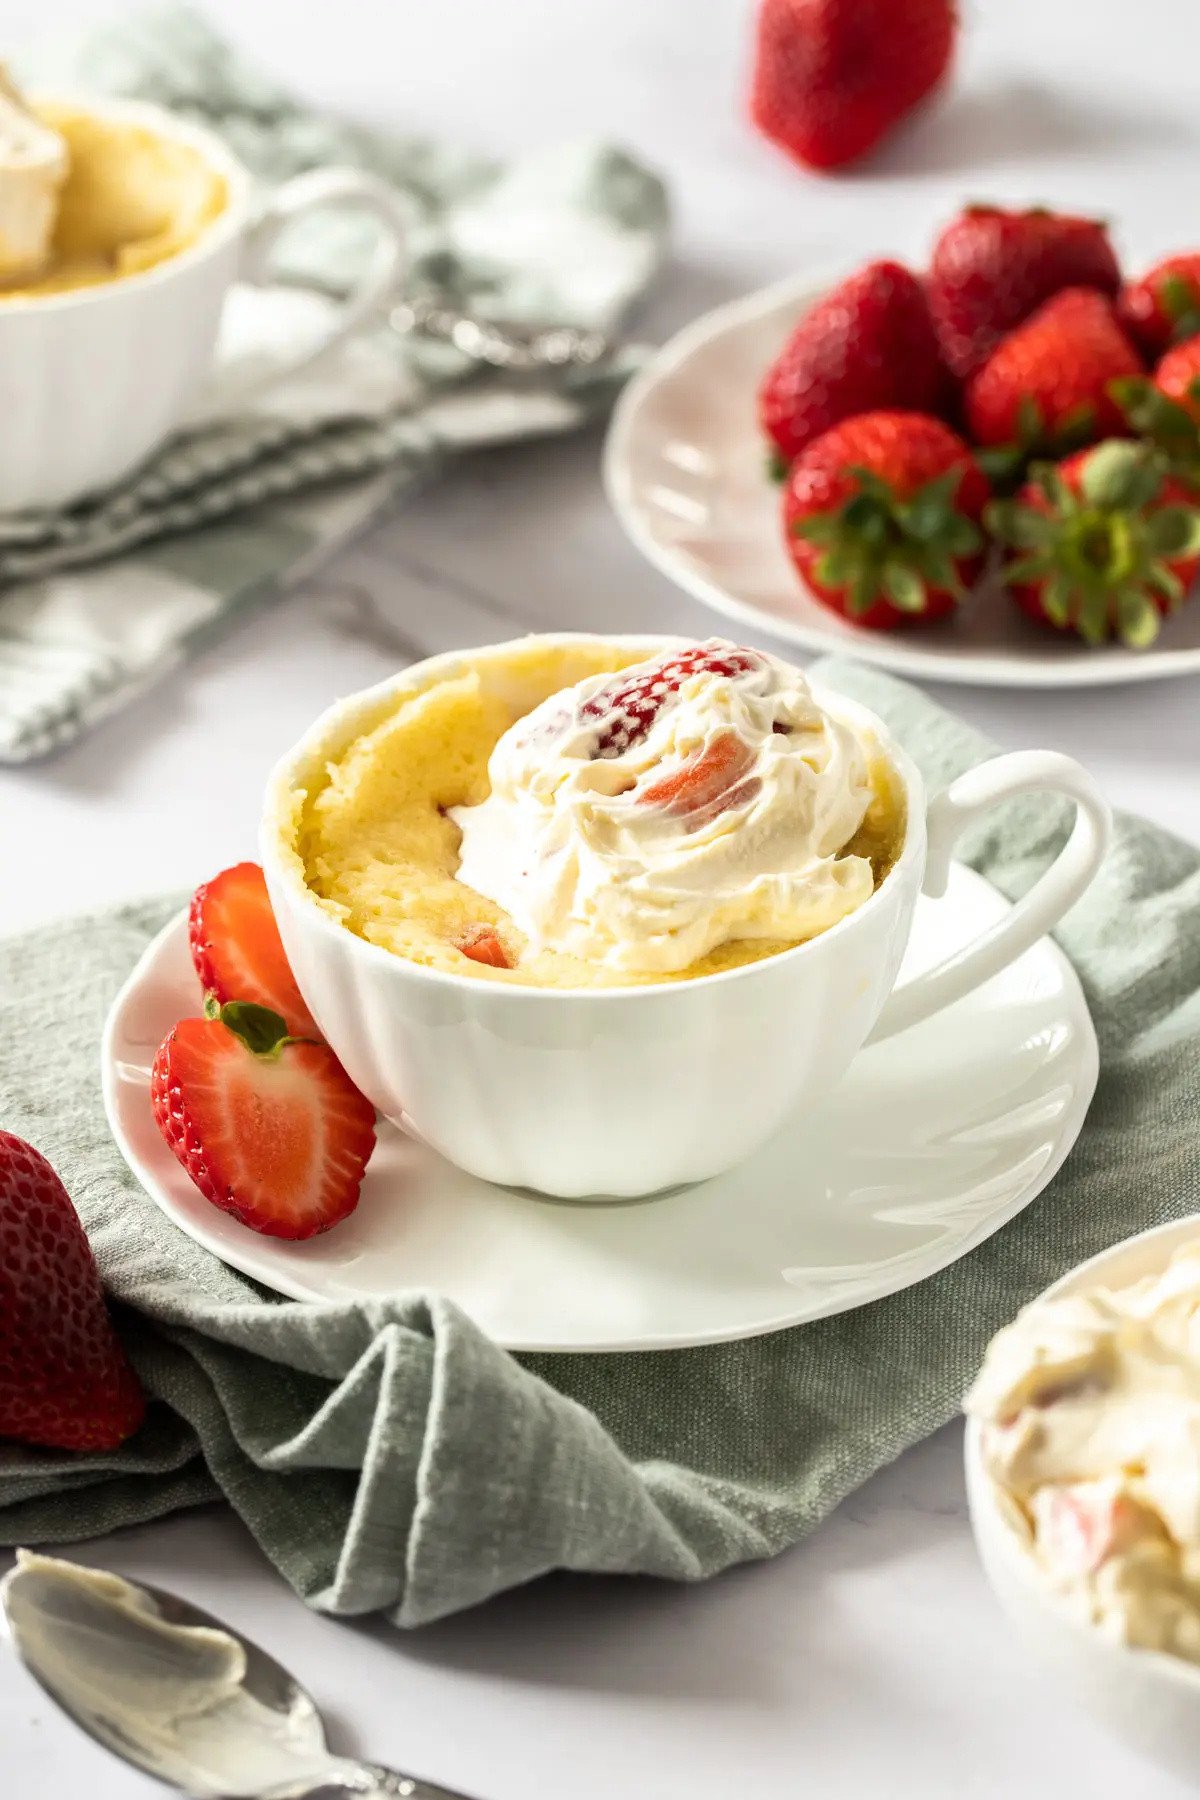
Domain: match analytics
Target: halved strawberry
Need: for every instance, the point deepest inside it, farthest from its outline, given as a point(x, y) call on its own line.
point(711, 782)
point(626, 708)
point(482, 945)
point(270, 1128)
point(64, 1378)
point(237, 950)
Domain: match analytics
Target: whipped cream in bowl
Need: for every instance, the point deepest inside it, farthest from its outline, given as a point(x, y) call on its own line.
point(639, 820)
point(33, 167)
point(1083, 1473)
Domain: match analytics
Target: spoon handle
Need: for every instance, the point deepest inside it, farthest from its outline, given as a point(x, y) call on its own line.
point(390, 1786)
point(370, 1781)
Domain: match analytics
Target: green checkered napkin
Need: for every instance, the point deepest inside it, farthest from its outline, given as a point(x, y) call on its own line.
point(99, 601)
point(389, 1456)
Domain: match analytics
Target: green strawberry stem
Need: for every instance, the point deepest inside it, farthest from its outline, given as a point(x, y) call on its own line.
point(1178, 299)
point(1100, 556)
point(1162, 422)
point(878, 546)
point(1007, 466)
point(261, 1030)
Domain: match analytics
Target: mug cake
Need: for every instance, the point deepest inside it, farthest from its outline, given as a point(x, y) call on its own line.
point(572, 816)
point(91, 197)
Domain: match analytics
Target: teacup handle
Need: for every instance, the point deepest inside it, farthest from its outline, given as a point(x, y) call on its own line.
point(1038, 911)
point(353, 189)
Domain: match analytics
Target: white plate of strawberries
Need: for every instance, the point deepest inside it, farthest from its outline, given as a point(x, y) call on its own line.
point(986, 472)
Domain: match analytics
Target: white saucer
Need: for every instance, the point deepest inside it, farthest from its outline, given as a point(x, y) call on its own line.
point(684, 466)
point(933, 1141)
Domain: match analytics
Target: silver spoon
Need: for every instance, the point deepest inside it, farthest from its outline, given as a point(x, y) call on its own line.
point(178, 1694)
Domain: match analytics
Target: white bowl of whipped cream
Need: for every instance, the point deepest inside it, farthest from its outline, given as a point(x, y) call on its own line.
point(1083, 1477)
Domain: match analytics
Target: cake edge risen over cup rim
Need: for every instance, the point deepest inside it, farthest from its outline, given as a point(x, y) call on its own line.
point(348, 718)
point(161, 122)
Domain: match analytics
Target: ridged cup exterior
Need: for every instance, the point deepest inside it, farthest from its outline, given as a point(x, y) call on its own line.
point(92, 381)
point(617, 1092)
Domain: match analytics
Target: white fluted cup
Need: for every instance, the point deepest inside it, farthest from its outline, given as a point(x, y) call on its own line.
point(94, 379)
point(626, 1091)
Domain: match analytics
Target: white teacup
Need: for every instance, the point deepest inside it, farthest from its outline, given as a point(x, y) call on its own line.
point(95, 378)
point(625, 1091)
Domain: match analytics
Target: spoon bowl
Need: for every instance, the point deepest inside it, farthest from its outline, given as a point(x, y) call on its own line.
point(175, 1692)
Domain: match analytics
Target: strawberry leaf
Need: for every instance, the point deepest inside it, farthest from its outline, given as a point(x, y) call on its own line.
point(863, 593)
point(1165, 581)
point(1137, 618)
point(1055, 488)
point(777, 464)
point(1177, 297)
point(261, 1030)
point(1027, 569)
point(837, 568)
point(1120, 476)
point(821, 528)
point(1173, 531)
point(1003, 464)
point(1021, 527)
point(1152, 414)
point(903, 587)
point(1029, 422)
point(1057, 600)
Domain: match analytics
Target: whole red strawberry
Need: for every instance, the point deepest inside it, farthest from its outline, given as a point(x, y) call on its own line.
point(64, 1378)
point(1178, 377)
point(882, 518)
point(270, 1128)
point(237, 950)
point(833, 77)
point(1163, 306)
point(1103, 544)
point(1165, 409)
point(991, 268)
point(866, 345)
point(1046, 385)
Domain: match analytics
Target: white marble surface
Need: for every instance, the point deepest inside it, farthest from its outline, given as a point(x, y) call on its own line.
point(871, 1659)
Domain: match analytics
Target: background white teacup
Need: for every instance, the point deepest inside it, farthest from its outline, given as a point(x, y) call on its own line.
point(93, 379)
point(624, 1091)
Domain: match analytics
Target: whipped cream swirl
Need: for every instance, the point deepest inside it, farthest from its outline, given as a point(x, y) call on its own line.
point(1090, 1407)
point(639, 820)
point(33, 167)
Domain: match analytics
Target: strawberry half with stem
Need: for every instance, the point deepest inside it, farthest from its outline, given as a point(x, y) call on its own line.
point(865, 346)
point(991, 268)
point(882, 518)
point(833, 77)
point(1103, 544)
point(269, 1127)
point(64, 1378)
point(1047, 384)
point(1162, 307)
point(237, 950)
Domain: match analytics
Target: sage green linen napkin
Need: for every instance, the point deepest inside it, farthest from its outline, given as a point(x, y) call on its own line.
point(388, 1456)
